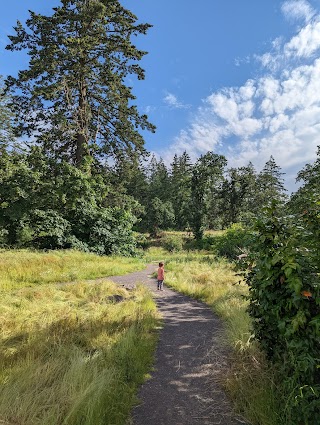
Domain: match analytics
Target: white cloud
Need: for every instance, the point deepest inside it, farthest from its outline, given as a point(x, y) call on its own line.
point(305, 43)
point(277, 113)
point(239, 61)
point(298, 9)
point(172, 101)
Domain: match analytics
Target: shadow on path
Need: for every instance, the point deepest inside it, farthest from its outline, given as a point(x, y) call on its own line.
point(182, 389)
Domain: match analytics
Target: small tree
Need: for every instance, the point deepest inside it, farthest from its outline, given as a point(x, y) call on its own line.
point(160, 216)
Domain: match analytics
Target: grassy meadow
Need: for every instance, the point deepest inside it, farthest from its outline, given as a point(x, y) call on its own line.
point(71, 354)
point(20, 268)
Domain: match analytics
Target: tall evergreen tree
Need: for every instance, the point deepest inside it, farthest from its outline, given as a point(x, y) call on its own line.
point(6, 133)
point(180, 193)
point(73, 98)
point(270, 183)
point(159, 182)
point(130, 174)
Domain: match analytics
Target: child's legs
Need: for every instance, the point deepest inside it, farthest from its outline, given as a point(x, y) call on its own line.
point(160, 284)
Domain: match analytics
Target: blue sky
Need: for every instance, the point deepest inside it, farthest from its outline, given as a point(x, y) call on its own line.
point(240, 78)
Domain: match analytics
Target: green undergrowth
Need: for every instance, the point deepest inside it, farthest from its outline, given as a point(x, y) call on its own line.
point(249, 380)
point(19, 268)
point(74, 354)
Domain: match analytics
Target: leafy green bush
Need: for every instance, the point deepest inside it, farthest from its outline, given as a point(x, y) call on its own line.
point(45, 229)
point(141, 240)
point(3, 237)
point(285, 306)
point(70, 210)
point(233, 242)
point(173, 243)
point(104, 230)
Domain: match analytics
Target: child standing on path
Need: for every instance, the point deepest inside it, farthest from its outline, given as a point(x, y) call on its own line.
point(160, 277)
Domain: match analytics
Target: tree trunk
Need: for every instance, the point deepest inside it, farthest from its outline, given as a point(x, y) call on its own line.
point(82, 148)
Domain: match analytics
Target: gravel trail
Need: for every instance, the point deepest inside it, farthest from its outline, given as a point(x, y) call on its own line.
point(182, 389)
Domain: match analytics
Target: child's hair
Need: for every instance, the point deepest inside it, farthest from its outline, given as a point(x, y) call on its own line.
point(160, 264)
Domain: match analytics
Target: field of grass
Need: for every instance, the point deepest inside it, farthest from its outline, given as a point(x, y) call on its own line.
point(72, 354)
point(249, 380)
point(20, 268)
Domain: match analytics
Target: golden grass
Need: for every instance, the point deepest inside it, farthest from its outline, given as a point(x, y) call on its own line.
point(19, 268)
point(70, 355)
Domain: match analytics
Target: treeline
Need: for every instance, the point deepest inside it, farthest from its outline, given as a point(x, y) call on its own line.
point(50, 203)
point(200, 195)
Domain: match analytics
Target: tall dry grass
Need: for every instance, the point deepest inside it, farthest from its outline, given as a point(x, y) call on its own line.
point(19, 268)
point(70, 354)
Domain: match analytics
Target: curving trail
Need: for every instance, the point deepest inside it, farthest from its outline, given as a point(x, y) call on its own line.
point(182, 389)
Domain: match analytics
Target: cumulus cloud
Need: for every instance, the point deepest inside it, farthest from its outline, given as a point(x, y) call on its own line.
point(277, 113)
point(172, 101)
point(305, 43)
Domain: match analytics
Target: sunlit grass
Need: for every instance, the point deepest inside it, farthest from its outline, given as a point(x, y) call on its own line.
point(70, 355)
point(19, 268)
point(249, 380)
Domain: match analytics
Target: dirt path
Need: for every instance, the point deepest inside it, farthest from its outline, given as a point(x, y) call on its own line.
point(182, 389)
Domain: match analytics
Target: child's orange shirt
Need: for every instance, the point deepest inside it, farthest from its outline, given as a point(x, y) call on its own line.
point(160, 273)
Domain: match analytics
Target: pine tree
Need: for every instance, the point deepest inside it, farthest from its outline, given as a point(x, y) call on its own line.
point(6, 133)
point(159, 209)
point(73, 98)
point(159, 182)
point(271, 184)
point(180, 193)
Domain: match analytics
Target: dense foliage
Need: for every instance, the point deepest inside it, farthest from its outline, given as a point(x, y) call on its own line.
point(234, 242)
point(284, 282)
point(45, 204)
